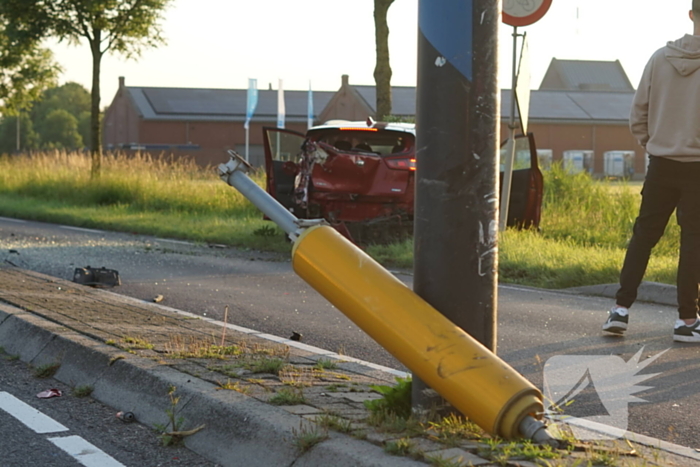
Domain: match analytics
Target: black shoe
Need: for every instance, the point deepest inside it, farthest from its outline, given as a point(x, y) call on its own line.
point(686, 333)
point(616, 323)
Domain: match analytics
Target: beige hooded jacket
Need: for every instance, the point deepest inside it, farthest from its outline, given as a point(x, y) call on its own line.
point(665, 116)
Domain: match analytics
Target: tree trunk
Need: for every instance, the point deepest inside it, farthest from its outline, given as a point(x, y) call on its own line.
point(95, 133)
point(382, 71)
point(19, 114)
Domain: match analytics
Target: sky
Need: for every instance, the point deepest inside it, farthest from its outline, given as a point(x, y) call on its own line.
point(223, 43)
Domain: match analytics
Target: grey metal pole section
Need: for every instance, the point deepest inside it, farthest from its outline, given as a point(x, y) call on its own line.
point(456, 215)
point(234, 173)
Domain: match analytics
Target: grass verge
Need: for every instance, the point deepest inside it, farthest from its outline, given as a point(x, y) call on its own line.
point(581, 241)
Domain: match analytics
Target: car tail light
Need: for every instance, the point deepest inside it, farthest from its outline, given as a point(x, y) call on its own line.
point(406, 163)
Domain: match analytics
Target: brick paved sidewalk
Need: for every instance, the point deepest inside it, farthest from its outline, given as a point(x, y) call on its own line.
point(307, 383)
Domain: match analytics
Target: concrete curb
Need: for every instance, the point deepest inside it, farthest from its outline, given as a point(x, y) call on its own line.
point(240, 430)
point(652, 292)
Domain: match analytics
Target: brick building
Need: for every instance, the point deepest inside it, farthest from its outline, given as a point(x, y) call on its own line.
point(201, 123)
point(581, 105)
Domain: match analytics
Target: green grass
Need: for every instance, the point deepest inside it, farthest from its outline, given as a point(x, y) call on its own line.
point(334, 422)
point(139, 195)
point(306, 437)
point(83, 390)
point(137, 343)
point(585, 226)
point(46, 370)
point(287, 397)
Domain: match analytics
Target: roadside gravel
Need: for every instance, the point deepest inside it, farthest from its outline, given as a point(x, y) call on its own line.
point(133, 255)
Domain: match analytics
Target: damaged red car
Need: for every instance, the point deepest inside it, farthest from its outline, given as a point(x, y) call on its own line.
point(360, 177)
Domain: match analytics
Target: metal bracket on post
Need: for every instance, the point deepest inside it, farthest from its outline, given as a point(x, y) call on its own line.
point(235, 173)
point(535, 430)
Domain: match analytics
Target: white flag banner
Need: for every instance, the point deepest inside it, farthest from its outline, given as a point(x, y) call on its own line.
point(310, 109)
point(280, 106)
point(252, 101)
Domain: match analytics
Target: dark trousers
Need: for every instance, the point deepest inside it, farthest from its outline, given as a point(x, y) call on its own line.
point(669, 185)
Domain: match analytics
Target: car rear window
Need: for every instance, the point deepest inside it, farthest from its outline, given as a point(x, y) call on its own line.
point(370, 140)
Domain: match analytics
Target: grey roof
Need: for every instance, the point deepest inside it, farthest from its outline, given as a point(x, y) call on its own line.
point(560, 106)
point(403, 98)
point(603, 106)
point(230, 104)
point(222, 104)
point(582, 75)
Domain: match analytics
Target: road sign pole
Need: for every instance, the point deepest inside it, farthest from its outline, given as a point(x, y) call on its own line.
point(456, 215)
point(510, 150)
point(247, 145)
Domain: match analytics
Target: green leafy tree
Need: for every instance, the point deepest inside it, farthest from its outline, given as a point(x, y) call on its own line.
point(28, 139)
point(71, 97)
point(84, 125)
point(382, 70)
point(26, 70)
point(123, 26)
point(59, 130)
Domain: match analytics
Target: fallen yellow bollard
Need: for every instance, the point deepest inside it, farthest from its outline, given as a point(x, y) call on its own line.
point(474, 380)
point(464, 372)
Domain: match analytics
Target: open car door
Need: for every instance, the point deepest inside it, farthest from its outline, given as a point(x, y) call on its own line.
point(525, 207)
point(281, 150)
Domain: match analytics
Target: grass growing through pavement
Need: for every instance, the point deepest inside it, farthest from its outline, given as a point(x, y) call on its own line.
point(48, 370)
point(584, 230)
point(83, 390)
point(306, 437)
point(287, 396)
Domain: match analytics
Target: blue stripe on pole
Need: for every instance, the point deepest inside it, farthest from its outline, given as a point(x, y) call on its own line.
point(447, 25)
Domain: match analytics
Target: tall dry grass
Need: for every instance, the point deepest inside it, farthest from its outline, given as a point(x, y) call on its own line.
point(141, 182)
point(138, 194)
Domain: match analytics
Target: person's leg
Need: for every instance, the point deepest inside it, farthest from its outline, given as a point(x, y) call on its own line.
point(660, 196)
point(658, 202)
point(688, 215)
point(659, 199)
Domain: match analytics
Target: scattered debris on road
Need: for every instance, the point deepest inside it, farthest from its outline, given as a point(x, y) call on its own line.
point(295, 336)
point(95, 277)
point(126, 417)
point(49, 393)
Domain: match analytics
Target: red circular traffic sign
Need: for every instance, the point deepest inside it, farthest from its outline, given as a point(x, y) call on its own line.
point(524, 12)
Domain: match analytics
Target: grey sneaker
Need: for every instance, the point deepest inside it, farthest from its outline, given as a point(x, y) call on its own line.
point(617, 320)
point(686, 333)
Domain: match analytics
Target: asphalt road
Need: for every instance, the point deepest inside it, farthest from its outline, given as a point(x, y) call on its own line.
point(263, 293)
point(69, 431)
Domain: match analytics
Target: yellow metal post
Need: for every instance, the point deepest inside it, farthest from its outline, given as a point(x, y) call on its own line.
point(468, 375)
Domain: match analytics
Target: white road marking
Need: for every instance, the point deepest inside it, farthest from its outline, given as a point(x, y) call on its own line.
point(84, 452)
point(7, 219)
point(80, 229)
point(28, 415)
